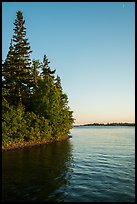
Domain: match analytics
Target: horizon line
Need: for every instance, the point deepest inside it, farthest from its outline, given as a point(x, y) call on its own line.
point(105, 123)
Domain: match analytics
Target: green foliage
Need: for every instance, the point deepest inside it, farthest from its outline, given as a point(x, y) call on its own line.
point(34, 107)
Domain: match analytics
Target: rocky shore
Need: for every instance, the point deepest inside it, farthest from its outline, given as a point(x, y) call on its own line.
point(27, 144)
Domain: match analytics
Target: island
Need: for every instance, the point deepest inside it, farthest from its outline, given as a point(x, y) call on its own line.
point(35, 108)
point(106, 124)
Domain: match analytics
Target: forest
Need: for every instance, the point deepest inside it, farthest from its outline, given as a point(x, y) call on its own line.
point(34, 106)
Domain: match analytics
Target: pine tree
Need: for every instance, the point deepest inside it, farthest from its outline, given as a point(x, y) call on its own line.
point(46, 70)
point(9, 72)
point(34, 99)
point(7, 67)
point(22, 59)
point(35, 65)
point(65, 116)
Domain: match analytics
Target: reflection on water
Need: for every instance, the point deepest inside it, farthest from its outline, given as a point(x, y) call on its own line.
point(96, 165)
point(37, 174)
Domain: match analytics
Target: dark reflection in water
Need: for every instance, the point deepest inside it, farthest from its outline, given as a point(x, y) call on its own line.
point(39, 173)
point(96, 165)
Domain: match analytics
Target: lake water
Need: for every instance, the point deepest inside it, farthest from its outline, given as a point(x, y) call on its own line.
point(96, 165)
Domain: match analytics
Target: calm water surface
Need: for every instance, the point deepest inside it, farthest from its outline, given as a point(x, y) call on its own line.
point(96, 165)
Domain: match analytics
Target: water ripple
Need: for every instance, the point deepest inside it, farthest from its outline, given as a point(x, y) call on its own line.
point(96, 165)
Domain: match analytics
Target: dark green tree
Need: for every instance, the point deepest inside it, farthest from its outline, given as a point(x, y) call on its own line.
point(9, 72)
point(65, 115)
point(46, 70)
point(36, 65)
point(22, 51)
point(34, 100)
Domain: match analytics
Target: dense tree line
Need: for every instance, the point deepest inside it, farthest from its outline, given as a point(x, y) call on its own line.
point(34, 106)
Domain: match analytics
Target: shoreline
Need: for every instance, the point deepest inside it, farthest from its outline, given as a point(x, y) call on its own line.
point(108, 124)
point(28, 144)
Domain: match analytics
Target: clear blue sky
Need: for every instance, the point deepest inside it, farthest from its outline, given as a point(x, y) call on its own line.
point(92, 47)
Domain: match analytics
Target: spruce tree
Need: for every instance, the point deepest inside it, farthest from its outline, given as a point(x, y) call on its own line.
point(7, 66)
point(46, 70)
point(65, 116)
point(22, 59)
point(9, 72)
point(36, 65)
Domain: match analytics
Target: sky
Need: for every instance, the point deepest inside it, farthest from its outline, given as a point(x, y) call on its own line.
point(92, 47)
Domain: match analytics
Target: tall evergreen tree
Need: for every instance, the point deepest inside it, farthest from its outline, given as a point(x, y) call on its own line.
point(9, 72)
point(36, 65)
point(46, 70)
point(65, 116)
point(22, 59)
point(7, 66)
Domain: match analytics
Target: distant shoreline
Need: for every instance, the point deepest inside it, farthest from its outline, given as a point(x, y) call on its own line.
point(106, 124)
